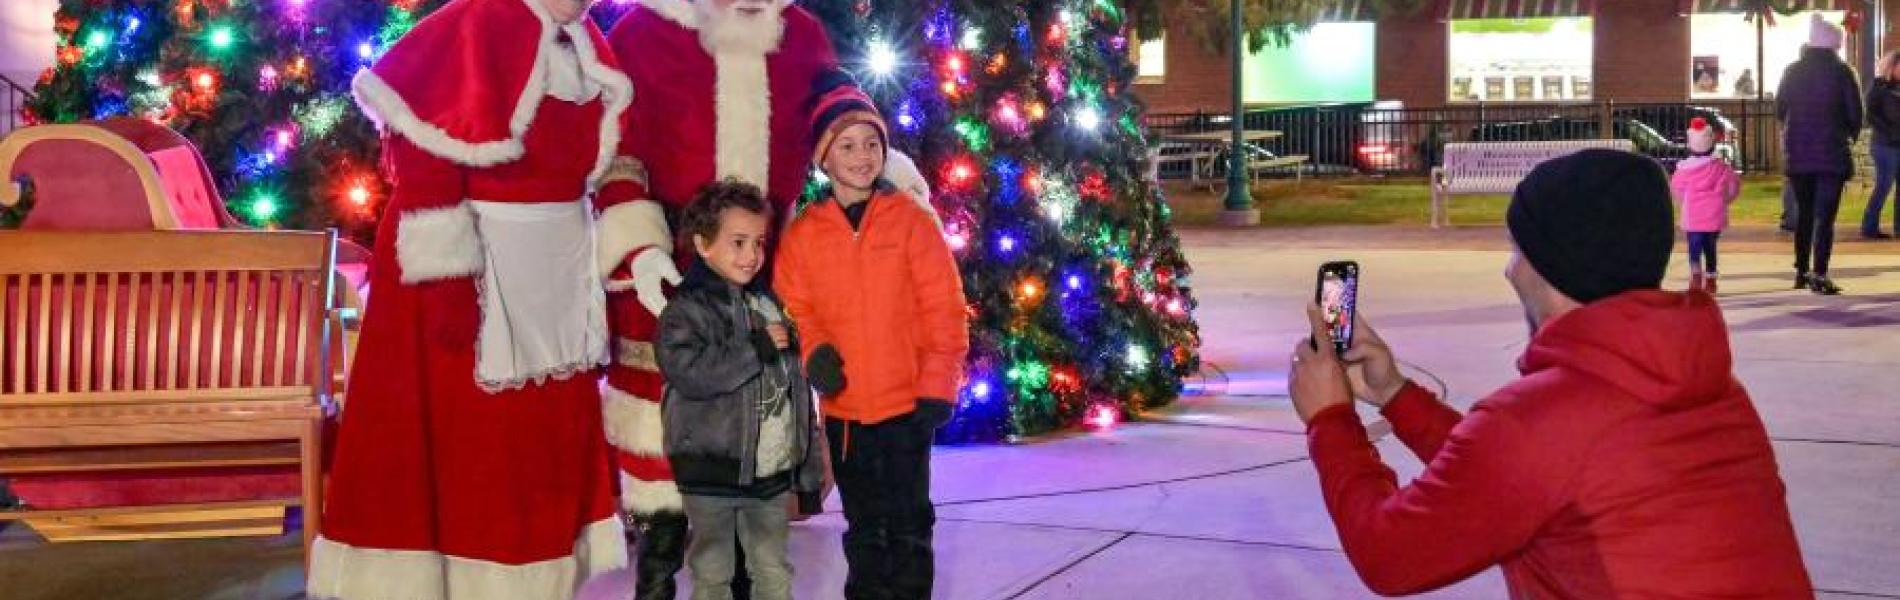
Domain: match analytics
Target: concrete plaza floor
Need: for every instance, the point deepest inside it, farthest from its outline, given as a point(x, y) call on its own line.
point(1213, 498)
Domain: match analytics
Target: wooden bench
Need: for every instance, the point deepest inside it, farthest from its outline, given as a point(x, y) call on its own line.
point(1497, 167)
point(144, 351)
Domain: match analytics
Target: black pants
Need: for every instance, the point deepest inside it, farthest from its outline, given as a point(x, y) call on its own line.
point(661, 551)
point(1816, 200)
point(1702, 250)
point(883, 474)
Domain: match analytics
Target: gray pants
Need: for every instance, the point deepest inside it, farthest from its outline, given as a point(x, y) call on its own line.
point(757, 524)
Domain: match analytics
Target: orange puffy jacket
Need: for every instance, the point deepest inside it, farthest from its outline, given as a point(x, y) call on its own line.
point(887, 296)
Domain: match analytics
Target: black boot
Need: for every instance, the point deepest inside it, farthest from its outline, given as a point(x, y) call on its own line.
point(1821, 285)
point(1802, 282)
point(662, 549)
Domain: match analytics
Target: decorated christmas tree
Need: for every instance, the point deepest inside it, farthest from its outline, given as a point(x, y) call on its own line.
point(1020, 112)
point(260, 86)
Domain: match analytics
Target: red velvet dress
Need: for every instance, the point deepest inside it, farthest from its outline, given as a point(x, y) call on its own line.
point(443, 487)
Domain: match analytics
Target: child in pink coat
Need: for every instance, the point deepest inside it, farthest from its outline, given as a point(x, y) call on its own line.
point(1704, 185)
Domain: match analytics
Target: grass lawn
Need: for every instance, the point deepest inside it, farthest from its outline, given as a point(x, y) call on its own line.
point(1408, 201)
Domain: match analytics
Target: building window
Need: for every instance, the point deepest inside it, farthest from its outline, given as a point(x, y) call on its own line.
point(1722, 52)
point(1521, 60)
point(1151, 61)
point(1332, 62)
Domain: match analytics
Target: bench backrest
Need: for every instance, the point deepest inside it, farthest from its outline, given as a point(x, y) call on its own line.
point(102, 319)
point(1499, 166)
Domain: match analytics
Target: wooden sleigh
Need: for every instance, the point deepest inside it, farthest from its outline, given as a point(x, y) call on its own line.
point(162, 370)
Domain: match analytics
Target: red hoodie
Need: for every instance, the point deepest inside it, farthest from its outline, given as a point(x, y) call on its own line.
point(1626, 463)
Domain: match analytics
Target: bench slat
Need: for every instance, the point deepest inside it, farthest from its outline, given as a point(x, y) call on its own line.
point(14, 515)
point(306, 298)
point(260, 304)
point(286, 288)
point(133, 458)
point(196, 315)
point(139, 396)
point(62, 356)
point(215, 378)
point(40, 351)
point(18, 357)
point(109, 334)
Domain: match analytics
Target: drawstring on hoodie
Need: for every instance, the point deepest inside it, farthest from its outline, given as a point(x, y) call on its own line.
point(844, 454)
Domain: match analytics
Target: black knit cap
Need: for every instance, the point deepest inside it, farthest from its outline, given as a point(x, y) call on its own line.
point(1596, 223)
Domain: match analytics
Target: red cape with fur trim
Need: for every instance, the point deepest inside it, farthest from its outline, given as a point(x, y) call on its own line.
point(465, 83)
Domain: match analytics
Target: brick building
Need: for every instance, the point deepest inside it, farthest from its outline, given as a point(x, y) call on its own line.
point(1637, 51)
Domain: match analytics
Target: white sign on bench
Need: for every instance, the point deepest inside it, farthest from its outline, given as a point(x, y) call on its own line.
point(1497, 167)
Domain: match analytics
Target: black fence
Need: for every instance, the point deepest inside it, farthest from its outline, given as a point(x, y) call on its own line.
point(1364, 139)
point(13, 99)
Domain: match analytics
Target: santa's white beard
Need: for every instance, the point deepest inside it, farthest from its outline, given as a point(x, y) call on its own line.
point(728, 30)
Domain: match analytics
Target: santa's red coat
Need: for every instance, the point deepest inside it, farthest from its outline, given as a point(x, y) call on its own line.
point(694, 119)
point(440, 488)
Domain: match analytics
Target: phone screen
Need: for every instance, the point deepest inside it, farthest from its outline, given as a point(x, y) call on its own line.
point(1338, 298)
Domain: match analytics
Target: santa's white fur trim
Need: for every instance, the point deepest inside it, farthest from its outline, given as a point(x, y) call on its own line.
point(626, 227)
point(389, 111)
point(616, 92)
point(344, 572)
point(902, 172)
point(633, 424)
point(743, 105)
point(640, 497)
point(438, 243)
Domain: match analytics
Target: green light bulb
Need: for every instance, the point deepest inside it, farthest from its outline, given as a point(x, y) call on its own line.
point(221, 37)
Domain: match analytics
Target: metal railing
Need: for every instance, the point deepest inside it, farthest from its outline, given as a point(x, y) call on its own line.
point(1364, 139)
point(13, 99)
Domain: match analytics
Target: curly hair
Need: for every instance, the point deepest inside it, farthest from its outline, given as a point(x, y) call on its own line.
point(701, 217)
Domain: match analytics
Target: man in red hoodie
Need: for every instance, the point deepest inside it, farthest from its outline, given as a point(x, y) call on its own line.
point(1628, 462)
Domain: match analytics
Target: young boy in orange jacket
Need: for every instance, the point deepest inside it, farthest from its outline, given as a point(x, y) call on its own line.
point(870, 282)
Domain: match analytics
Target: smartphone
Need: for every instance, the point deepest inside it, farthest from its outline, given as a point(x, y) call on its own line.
point(1338, 297)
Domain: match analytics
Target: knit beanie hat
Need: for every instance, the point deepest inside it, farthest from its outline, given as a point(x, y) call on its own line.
point(839, 105)
point(1596, 223)
point(1822, 34)
point(1701, 136)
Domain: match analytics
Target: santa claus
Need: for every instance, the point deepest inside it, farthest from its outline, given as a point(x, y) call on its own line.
point(726, 90)
point(471, 461)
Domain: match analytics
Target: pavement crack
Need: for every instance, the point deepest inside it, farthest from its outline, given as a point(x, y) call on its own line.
point(1072, 564)
point(1126, 486)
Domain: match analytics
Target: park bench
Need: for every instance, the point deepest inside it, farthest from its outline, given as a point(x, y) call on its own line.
point(1497, 167)
point(143, 352)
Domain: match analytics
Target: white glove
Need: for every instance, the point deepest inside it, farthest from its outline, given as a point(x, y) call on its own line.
point(902, 172)
point(650, 269)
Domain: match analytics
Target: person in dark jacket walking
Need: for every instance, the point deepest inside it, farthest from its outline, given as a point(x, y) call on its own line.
point(1883, 114)
point(1627, 462)
point(1820, 111)
point(741, 427)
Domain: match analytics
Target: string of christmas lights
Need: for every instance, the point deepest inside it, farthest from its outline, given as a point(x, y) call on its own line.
point(1080, 300)
point(1018, 110)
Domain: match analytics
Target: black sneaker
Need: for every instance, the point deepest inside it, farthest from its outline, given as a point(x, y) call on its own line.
point(1821, 285)
point(1801, 281)
point(1875, 236)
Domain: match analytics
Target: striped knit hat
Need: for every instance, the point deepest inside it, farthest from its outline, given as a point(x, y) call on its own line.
point(839, 105)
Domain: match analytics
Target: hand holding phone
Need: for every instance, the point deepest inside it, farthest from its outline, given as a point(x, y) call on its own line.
point(1337, 295)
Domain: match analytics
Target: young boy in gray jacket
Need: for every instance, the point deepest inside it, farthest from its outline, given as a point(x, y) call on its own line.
point(740, 429)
